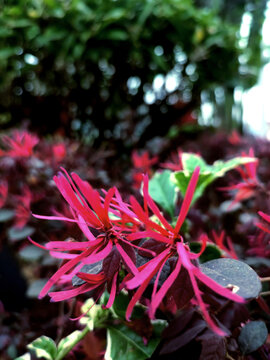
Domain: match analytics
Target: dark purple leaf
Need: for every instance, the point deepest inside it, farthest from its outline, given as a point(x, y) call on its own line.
point(164, 272)
point(177, 342)
point(111, 263)
point(233, 315)
point(232, 345)
point(181, 290)
point(179, 324)
point(153, 245)
point(129, 250)
point(213, 346)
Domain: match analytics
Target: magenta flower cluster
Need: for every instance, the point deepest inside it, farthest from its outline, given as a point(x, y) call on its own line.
point(115, 231)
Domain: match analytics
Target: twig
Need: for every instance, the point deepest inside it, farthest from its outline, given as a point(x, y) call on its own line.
point(265, 279)
point(265, 293)
point(62, 316)
point(61, 327)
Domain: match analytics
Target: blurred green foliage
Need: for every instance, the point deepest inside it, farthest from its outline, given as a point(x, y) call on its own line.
point(101, 68)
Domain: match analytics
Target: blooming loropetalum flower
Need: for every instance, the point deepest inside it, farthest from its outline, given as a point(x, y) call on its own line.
point(22, 209)
point(59, 151)
point(142, 165)
point(250, 182)
point(220, 239)
point(111, 228)
point(267, 219)
point(109, 217)
point(176, 163)
point(20, 144)
point(173, 246)
point(3, 192)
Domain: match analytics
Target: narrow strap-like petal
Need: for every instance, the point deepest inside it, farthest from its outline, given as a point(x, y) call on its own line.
point(67, 245)
point(144, 218)
point(129, 263)
point(98, 255)
point(190, 268)
point(136, 297)
point(85, 229)
point(187, 200)
point(153, 206)
point(159, 296)
point(113, 291)
point(149, 233)
point(66, 267)
point(67, 294)
point(92, 278)
point(152, 265)
point(204, 239)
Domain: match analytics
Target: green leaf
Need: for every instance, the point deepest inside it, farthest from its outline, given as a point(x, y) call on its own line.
point(114, 14)
point(116, 34)
point(26, 356)
point(43, 347)
point(221, 167)
point(191, 161)
point(5, 53)
point(125, 344)
point(120, 306)
point(66, 344)
point(182, 179)
point(208, 173)
point(252, 336)
point(163, 191)
point(95, 315)
point(236, 274)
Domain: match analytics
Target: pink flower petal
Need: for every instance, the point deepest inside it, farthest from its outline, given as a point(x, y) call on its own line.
point(152, 265)
point(68, 294)
point(66, 267)
point(113, 292)
point(187, 200)
point(153, 206)
point(129, 263)
point(98, 256)
point(148, 233)
point(158, 297)
point(66, 245)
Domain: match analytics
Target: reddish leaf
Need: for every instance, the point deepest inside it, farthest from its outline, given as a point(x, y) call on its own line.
point(178, 324)
point(178, 342)
point(213, 346)
point(93, 346)
point(181, 291)
point(129, 250)
point(111, 263)
point(153, 245)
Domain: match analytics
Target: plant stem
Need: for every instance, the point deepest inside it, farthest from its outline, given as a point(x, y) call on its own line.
point(265, 293)
point(265, 279)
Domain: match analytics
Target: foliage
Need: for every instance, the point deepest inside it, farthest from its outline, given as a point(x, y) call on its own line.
point(45, 348)
point(154, 254)
point(253, 335)
point(60, 64)
point(208, 173)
